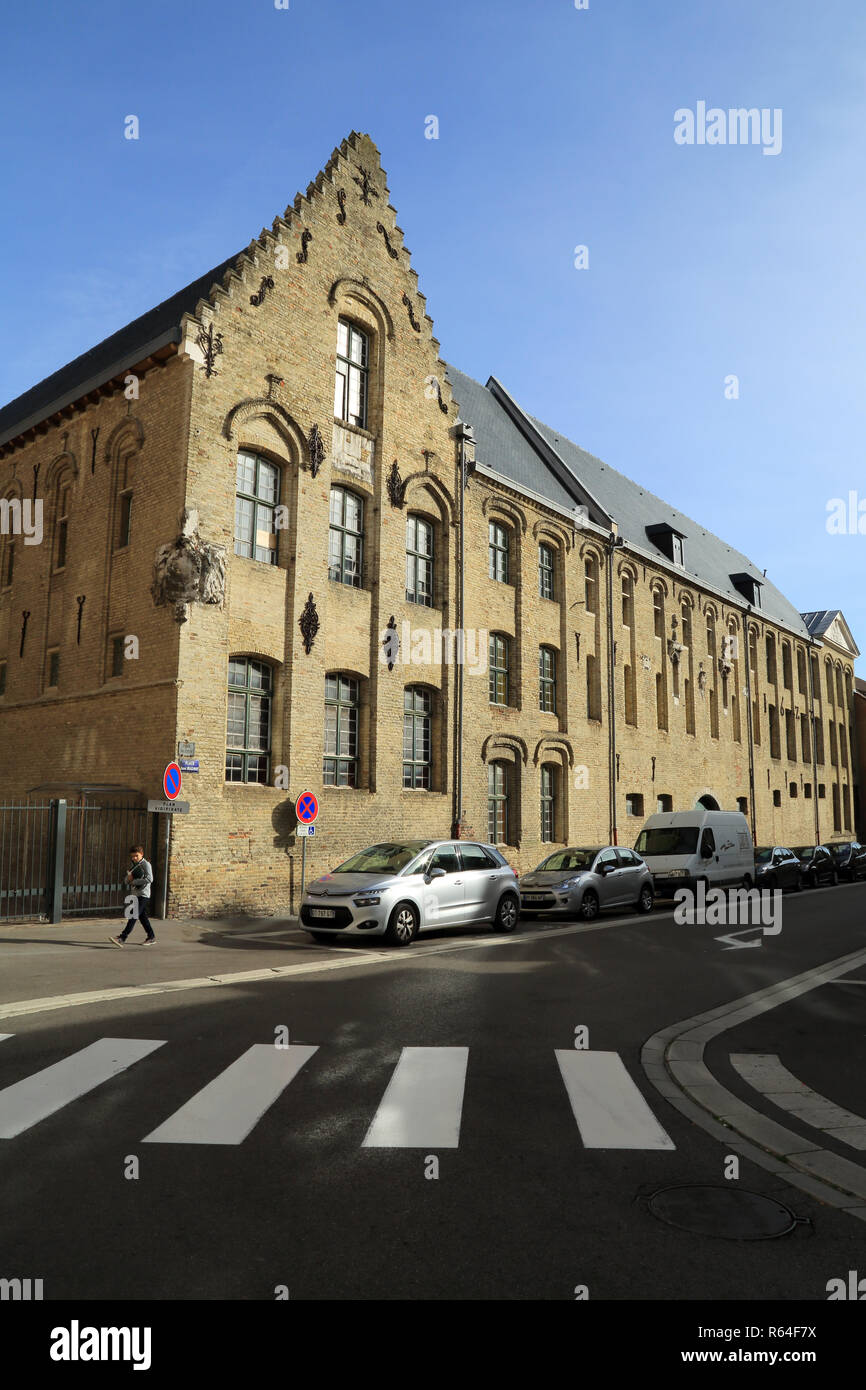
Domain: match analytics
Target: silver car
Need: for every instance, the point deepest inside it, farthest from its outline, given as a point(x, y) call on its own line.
point(580, 882)
point(401, 888)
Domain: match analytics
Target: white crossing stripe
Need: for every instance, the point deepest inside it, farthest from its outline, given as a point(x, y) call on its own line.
point(765, 1072)
point(49, 1090)
point(609, 1109)
point(422, 1106)
point(225, 1110)
point(4, 1036)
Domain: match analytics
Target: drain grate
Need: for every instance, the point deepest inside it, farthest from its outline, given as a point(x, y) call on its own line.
point(731, 1213)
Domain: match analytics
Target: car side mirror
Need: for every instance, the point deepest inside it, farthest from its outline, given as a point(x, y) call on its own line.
point(606, 869)
point(434, 873)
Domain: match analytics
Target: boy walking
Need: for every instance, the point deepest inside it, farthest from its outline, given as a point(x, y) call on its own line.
point(139, 878)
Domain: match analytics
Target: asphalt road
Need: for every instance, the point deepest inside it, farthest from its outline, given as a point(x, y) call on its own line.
point(266, 1181)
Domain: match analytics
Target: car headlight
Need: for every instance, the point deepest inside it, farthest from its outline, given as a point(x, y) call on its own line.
point(569, 884)
point(368, 900)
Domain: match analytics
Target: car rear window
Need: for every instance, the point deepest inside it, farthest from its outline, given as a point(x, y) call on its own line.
point(474, 857)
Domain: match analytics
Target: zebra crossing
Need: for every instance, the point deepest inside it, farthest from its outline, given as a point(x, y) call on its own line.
point(421, 1107)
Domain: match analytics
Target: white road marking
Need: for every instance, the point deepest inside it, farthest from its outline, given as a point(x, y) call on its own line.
point(225, 1110)
point(422, 1106)
point(609, 1109)
point(4, 1036)
point(766, 1073)
point(38, 1096)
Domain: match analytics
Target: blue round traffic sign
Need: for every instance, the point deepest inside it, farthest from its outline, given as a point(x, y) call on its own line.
point(171, 781)
point(306, 808)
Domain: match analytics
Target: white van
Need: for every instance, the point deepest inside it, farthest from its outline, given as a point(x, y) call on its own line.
point(683, 848)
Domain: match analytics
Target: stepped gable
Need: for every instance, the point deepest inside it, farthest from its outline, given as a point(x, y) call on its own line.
point(511, 452)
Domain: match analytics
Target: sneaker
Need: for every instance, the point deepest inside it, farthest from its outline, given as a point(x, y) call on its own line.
point(149, 941)
point(117, 941)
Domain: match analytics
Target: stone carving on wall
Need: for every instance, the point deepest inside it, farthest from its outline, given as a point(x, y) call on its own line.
point(188, 570)
point(352, 454)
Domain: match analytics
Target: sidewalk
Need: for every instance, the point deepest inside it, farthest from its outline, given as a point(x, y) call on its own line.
point(37, 959)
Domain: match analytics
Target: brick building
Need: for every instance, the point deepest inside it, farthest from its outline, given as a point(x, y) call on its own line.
point(268, 506)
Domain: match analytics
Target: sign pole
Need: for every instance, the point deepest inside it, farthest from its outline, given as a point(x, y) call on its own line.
point(165, 868)
point(303, 864)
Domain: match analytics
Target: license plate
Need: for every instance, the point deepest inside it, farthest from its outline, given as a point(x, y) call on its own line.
point(321, 912)
point(533, 897)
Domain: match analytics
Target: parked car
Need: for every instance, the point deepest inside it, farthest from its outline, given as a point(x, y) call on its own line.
point(580, 882)
point(778, 867)
point(818, 865)
point(400, 888)
point(850, 858)
point(683, 848)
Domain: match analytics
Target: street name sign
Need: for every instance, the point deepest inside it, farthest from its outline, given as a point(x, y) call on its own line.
point(169, 807)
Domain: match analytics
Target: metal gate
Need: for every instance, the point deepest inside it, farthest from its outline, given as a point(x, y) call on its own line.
point(59, 860)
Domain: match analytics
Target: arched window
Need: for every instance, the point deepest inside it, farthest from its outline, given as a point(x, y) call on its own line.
point(549, 797)
point(498, 646)
point(248, 739)
point(686, 614)
point(346, 537)
point(546, 561)
point(256, 501)
point(419, 561)
point(498, 797)
point(417, 742)
point(627, 601)
point(771, 659)
point(711, 635)
point(63, 497)
point(590, 579)
point(351, 388)
point(787, 670)
point(123, 513)
point(658, 613)
point(547, 679)
point(497, 549)
point(340, 765)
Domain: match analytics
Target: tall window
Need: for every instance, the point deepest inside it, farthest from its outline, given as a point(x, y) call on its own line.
point(2, 677)
point(350, 388)
point(497, 803)
point(627, 601)
point(629, 690)
point(661, 702)
point(547, 679)
point(787, 666)
point(711, 635)
point(8, 563)
point(249, 720)
point(419, 561)
point(771, 659)
point(125, 480)
point(346, 537)
point(590, 576)
point(258, 496)
point(593, 687)
point(61, 525)
point(801, 672)
point(52, 671)
point(687, 625)
point(658, 613)
point(545, 571)
point(690, 707)
point(773, 724)
point(548, 802)
point(498, 552)
point(416, 737)
point(805, 739)
point(340, 765)
point(714, 712)
point(498, 667)
point(790, 735)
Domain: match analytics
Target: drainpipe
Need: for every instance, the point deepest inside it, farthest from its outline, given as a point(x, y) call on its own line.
point(814, 741)
point(465, 435)
point(748, 655)
point(614, 541)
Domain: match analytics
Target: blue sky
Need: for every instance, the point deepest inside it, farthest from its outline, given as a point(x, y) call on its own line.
point(555, 130)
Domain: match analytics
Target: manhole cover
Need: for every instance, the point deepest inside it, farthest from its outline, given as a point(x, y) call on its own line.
point(729, 1212)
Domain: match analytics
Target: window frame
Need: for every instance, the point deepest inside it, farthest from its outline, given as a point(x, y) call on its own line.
point(343, 530)
point(352, 706)
point(498, 644)
point(265, 692)
point(420, 768)
point(359, 371)
point(547, 679)
point(258, 503)
point(498, 538)
point(546, 571)
point(417, 558)
point(498, 797)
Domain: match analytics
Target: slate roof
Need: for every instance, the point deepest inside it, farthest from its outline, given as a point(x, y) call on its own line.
point(123, 349)
point(818, 622)
point(502, 447)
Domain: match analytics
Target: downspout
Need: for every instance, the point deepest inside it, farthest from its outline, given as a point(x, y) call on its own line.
point(464, 433)
point(613, 542)
point(814, 742)
point(749, 723)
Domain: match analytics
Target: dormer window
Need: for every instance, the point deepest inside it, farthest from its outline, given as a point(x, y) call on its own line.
point(668, 540)
point(749, 587)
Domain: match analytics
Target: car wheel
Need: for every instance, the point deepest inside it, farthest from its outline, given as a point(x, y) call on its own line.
point(747, 882)
point(589, 905)
point(321, 936)
point(402, 925)
point(834, 877)
point(646, 899)
point(507, 913)
point(799, 884)
point(813, 879)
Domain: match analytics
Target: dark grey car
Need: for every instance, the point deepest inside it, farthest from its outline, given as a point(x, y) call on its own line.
point(777, 867)
point(581, 882)
point(400, 888)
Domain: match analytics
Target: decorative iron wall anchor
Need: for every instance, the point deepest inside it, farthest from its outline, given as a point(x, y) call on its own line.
point(306, 238)
point(25, 614)
point(365, 183)
point(267, 284)
point(317, 449)
point(80, 599)
point(36, 468)
point(442, 406)
point(396, 486)
point(211, 347)
point(391, 252)
point(309, 624)
point(341, 199)
point(391, 642)
point(94, 435)
point(412, 319)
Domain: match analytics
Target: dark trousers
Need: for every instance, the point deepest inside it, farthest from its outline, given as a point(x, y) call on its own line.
point(142, 918)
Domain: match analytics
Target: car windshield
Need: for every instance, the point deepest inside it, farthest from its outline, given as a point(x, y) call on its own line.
point(383, 859)
point(672, 839)
point(763, 856)
point(839, 851)
point(565, 859)
point(805, 851)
